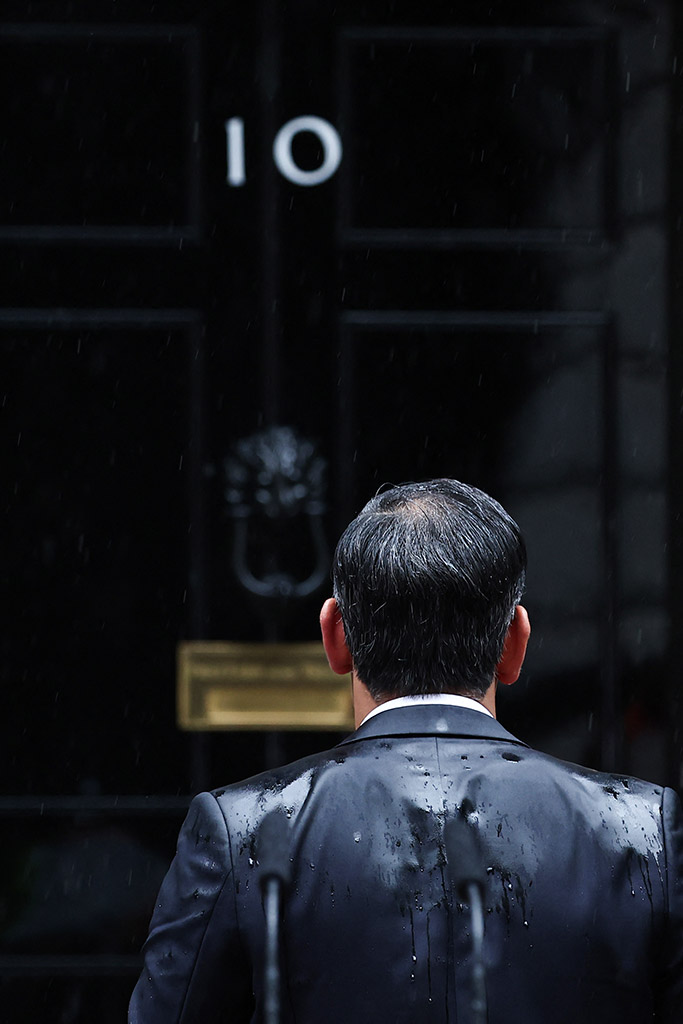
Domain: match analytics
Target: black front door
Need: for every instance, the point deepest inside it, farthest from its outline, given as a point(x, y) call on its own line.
point(411, 236)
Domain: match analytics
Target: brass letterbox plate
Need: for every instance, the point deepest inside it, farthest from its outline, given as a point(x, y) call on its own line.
point(260, 686)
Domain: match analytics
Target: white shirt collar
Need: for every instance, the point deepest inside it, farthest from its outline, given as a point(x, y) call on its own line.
point(418, 699)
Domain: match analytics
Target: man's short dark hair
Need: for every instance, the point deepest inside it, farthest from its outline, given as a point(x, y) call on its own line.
point(427, 578)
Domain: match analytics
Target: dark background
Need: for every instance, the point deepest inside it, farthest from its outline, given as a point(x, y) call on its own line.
point(410, 316)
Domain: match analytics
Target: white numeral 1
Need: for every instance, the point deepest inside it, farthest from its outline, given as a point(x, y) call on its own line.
point(234, 145)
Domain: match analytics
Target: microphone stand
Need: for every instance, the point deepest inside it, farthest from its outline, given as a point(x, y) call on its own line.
point(271, 987)
point(274, 861)
point(478, 1005)
point(466, 870)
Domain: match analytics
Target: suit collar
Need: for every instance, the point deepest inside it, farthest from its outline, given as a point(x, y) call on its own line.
point(432, 720)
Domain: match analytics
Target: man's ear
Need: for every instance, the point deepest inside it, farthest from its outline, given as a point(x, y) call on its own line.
point(334, 640)
point(510, 664)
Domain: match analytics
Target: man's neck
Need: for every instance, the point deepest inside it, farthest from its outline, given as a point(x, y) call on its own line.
point(364, 703)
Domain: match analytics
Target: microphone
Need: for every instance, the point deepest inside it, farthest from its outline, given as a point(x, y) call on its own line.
point(273, 849)
point(275, 875)
point(466, 869)
point(464, 856)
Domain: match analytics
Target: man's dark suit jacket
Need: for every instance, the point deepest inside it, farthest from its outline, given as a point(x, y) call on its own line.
point(584, 898)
